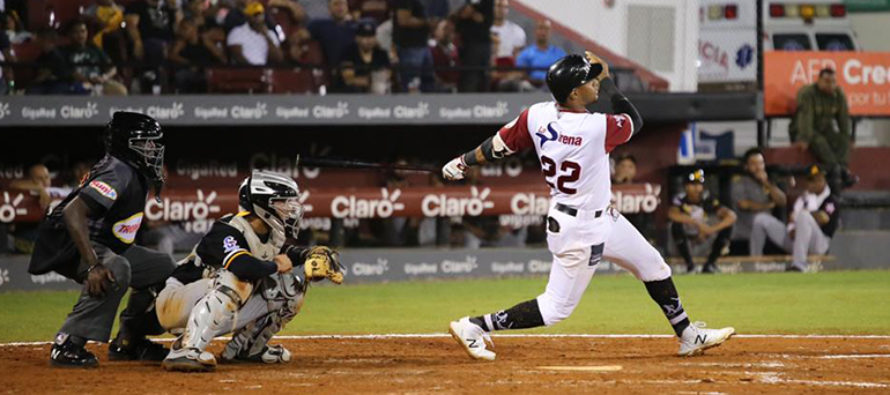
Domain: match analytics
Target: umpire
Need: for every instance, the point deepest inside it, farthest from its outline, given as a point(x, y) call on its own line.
point(88, 238)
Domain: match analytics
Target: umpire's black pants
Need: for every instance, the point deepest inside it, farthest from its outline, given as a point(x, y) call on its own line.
point(142, 269)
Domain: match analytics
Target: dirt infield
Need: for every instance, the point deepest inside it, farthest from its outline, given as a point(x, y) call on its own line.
point(436, 364)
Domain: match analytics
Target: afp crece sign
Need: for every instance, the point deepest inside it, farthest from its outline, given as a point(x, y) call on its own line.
point(864, 77)
point(197, 205)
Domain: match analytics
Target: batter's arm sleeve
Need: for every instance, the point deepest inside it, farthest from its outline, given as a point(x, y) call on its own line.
point(621, 104)
point(225, 247)
point(511, 138)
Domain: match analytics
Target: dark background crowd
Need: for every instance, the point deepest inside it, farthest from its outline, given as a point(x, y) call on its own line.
point(119, 47)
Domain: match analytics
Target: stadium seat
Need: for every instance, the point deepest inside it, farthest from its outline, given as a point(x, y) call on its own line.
point(226, 80)
point(292, 81)
point(25, 53)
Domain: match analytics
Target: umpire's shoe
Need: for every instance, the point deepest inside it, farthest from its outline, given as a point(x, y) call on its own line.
point(66, 353)
point(138, 350)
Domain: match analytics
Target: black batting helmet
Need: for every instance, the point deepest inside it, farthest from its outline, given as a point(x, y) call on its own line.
point(569, 73)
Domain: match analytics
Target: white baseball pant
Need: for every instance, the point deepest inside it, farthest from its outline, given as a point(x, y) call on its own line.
point(579, 244)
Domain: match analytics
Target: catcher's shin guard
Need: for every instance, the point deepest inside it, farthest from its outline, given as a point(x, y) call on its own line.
point(251, 340)
point(215, 314)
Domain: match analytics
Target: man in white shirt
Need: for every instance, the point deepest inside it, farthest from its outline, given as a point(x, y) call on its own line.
point(511, 37)
point(252, 43)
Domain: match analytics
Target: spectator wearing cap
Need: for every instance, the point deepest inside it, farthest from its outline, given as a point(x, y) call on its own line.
point(811, 226)
point(253, 43)
point(699, 222)
point(365, 66)
point(540, 55)
point(335, 34)
point(474, 21)
point(754, 197)
point(411, 39)
point(237, 16)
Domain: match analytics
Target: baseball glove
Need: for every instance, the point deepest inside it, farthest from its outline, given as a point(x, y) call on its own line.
point(323, 263)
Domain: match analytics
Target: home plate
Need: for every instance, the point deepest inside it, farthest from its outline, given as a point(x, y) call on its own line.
point(593, 368)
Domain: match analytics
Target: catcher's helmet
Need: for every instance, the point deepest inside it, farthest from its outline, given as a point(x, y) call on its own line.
point(569, 73)
point(275, 198)
point(136, 139)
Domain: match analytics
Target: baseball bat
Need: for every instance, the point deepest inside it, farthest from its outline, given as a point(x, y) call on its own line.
point(357, 164)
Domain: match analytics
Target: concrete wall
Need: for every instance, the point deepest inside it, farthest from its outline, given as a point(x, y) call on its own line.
point(610, 28)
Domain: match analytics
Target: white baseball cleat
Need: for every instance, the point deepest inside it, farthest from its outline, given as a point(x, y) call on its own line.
point(472, 338)
point(696, 338)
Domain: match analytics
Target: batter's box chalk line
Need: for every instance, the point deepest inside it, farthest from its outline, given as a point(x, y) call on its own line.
point(505, 336)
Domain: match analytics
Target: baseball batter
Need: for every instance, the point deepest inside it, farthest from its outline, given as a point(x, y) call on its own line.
point(573, 146)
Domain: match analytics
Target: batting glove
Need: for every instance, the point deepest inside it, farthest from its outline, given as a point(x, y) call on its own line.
point(455, 169)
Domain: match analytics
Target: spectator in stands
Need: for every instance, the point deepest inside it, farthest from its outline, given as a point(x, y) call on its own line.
point(38, 183)
point(92, 67)
point(511, 37)
point(109, 37)
point(436, 10)
point(625, 169)
point(236, 15)
point(822, 125)
point(376, 10)
point(191, 53)
point(754, 197)
point(410, 35)
point(811, 226)
point(14, 28)
point(7, 82)
point(253, 43)
point(699, 221)
point(474, 21)
point(445, 55)
point(54, 73)
point(365, 67)
point(540, 55)
point(335, 34)
point(150, 27)
point(302, 50)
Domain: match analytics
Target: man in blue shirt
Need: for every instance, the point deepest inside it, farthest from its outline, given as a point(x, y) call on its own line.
point(540, 55)
point(335, 34)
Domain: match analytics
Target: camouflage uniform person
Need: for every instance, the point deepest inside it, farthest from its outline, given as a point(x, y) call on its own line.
point(819, 106)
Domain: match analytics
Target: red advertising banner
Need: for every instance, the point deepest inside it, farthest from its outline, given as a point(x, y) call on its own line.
point(189, 204)
point(864, 77)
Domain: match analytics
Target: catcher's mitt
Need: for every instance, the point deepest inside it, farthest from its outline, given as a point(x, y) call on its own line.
point(323, 263)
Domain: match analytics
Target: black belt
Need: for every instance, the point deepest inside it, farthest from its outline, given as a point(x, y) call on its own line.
point(574, 212)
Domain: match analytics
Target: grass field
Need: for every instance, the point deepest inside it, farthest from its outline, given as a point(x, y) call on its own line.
point(820, 303)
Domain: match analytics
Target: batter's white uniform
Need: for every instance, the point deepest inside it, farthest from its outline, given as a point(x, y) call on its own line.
point(573, 148)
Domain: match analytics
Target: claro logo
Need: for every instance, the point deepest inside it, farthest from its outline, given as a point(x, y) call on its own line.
point(174, 210)
point(353, 207)
point(443, 206)
point(370, 269)
point(529, 204)
point(9, 207)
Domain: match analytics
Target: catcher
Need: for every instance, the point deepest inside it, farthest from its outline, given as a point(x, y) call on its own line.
point(243, 279)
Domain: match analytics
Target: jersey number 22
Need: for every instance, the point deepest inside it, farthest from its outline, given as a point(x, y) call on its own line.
point(569, 172)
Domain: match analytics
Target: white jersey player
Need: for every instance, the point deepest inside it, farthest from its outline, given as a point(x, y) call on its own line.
point(573, 146)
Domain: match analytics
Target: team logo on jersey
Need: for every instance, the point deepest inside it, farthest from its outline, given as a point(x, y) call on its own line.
point(104, 189)
point(551, 136)
point(125, 229)
point(230, 244)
